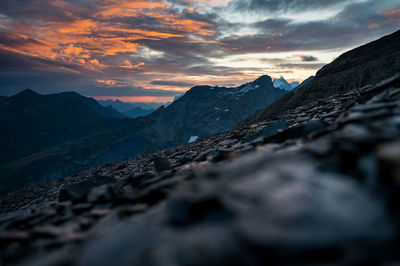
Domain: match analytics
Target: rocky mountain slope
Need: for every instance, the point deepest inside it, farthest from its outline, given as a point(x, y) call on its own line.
point(367, 64)
point(307, 80)
point(320, 186)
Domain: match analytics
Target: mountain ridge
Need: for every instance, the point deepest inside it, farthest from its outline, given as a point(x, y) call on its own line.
point(358, 67)
point(51, 119)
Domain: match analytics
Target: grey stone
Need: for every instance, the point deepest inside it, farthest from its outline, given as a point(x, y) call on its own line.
point(313, 126)
point(161, 164)
point(81, 207)
point(80, 190)
point(373, 106)
point(7, 237)
point(269, 130)
point(101, 194)
point(212, 155)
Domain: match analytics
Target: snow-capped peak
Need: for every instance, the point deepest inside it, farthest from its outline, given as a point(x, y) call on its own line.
point(284, 85)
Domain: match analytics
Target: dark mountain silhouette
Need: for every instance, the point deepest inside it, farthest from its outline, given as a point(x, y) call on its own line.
point(361, 66)
point(32, 122)
point(137, 112)
point(123, 107)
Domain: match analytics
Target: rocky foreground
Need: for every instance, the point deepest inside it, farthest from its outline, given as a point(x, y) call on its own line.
point(320, 186)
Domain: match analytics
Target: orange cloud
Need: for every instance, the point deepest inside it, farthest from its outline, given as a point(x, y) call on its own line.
point(129, 65)
point(85, 40)
point(111, 83)
point(188, 25)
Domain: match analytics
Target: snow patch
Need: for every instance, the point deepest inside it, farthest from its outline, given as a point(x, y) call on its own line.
point(193, 139)
point(246, 89)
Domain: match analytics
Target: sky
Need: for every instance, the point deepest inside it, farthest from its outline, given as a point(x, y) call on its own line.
point(142, 50)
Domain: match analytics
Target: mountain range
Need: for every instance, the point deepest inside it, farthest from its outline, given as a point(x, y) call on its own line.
point(205, 110)
point(131, 109)
point(69, 132)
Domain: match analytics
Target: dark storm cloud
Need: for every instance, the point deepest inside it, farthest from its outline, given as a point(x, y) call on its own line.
point(272, 25)
point(302, 66)
point(170, 83)
point(183, 47)
point(127, 91)
point(41, 11)
point(308, 58)
point(354, 25)
point(14, 62)
point(13, 40)
point(281, 5)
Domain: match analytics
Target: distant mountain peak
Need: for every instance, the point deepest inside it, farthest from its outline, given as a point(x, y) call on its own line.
point(262, 80)
point(283, 84)
point(70, 93)
point(27, 92)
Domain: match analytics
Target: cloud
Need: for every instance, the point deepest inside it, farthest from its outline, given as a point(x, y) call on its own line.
point(301, 66)
point(353, 25)
point(282, 5)
point(307, 58)
point(171, 83)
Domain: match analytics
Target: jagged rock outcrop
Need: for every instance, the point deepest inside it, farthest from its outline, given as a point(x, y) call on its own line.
point(317, 187)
